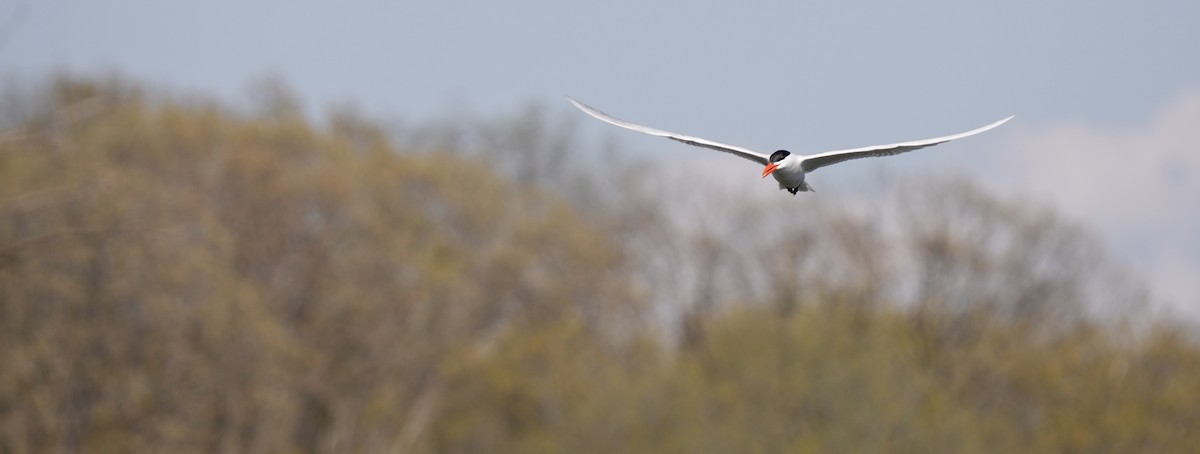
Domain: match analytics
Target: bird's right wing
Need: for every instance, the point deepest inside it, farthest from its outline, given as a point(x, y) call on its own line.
point(814, 162)
point(699, 142)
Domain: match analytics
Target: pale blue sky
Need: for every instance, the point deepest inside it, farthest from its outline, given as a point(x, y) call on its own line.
point(785, 70)
point(799, 75)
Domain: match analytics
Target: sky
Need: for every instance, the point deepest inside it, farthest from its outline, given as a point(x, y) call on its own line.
point(1106, 93)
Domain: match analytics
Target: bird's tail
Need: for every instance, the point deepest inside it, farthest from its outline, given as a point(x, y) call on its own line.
point(803, 187)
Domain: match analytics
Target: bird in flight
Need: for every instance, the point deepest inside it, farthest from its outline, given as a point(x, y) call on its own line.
point(788, 168)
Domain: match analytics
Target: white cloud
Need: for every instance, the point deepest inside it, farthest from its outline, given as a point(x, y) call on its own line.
point(1138, 186)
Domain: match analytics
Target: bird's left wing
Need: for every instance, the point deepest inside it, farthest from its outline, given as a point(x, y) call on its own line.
point(814, 162)
point(699, 142)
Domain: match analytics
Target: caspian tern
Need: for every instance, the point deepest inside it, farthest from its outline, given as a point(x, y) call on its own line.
point(789, 169)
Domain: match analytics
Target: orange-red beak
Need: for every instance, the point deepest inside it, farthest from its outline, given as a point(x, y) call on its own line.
point(770, 168)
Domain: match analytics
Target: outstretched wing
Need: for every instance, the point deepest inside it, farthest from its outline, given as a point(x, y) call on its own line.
point(699, 142)
point(814, 162)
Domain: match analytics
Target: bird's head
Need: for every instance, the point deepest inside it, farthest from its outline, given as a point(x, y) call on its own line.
point(773, 162)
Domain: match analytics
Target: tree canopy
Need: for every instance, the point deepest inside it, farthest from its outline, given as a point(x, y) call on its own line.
point(179, 275)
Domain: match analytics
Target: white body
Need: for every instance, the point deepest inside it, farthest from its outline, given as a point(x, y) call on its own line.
point(790, 173)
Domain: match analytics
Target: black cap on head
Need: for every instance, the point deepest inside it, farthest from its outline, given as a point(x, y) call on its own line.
point(779, 155)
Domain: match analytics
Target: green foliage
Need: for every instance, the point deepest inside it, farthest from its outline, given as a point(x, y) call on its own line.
point(179, 277)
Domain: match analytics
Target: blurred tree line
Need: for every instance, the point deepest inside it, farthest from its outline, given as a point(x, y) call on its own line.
point(179, 275)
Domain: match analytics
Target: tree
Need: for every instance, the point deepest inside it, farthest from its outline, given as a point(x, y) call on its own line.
point(177, 275)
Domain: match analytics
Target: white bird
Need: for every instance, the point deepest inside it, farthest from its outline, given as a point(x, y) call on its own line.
point(789, 169)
